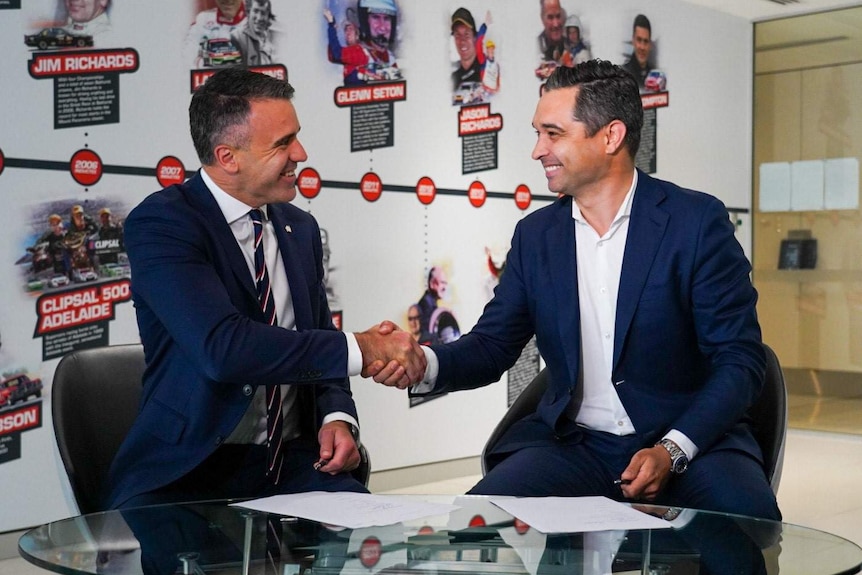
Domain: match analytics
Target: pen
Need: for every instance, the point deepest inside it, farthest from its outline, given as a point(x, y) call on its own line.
point(621, 481)
point(321, 463)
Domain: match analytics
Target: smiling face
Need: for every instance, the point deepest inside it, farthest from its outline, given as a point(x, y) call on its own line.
point(552, 20)
point(85, 10)
point(259, 16)
point(380, 27)
point(465, 43)
point(572, 160)
point(266, 166)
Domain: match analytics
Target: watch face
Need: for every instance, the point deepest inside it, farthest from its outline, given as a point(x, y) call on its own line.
point(680, 465)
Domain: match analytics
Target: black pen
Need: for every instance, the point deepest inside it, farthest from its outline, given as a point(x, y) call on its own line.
point(622, 481)
point(321, 463)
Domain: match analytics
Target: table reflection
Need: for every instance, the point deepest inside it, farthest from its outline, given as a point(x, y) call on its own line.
point(477, 537)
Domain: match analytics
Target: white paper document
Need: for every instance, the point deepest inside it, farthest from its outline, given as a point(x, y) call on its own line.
point(351, 510)
point(577, 514)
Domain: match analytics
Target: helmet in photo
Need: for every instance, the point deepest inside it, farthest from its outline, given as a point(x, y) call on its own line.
point(573, 22)
point(367, 7)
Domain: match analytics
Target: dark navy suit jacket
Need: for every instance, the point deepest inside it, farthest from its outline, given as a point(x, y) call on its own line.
point(687, 348)
point(206, 345)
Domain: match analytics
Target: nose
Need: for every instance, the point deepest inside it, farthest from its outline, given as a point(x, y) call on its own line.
point(297, 152)
point(538, 150)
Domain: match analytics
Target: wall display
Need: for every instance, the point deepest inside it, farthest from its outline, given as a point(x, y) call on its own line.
point(86, 80)
point(233, 32)
point(78, 270)
point(642, 64)
point(364, 43)
point(97, 118)
point(476, 79)
point(562, 41)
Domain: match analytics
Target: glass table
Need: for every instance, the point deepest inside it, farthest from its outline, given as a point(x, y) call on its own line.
point(477, 537)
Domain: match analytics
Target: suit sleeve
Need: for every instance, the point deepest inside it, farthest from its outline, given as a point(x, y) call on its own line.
point(728, 334)
point(188, 297)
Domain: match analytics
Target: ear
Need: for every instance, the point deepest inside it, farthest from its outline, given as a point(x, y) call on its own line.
point(226, 159)
point(615, 135)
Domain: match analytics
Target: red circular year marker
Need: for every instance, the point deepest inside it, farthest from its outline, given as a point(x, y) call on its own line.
point(371, 187)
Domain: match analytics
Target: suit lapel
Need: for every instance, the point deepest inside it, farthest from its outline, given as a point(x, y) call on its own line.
point(560, 250)
point(647, 226)
point(203, 201)
point(288, 231)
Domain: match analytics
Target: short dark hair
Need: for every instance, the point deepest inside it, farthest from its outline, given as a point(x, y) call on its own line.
point(642, 21)
point(219, 109)
point(606, 93)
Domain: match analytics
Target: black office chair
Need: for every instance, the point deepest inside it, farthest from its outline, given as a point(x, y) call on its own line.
point(769, 417)
point(768, 414)
point(94, 400)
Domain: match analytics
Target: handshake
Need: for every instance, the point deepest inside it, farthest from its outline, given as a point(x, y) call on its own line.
point(391, 356)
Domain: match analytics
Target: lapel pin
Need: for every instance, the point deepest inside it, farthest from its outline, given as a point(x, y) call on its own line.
point(288, 229)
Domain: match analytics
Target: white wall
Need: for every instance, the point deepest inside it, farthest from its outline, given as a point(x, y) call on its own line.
point(380, 251)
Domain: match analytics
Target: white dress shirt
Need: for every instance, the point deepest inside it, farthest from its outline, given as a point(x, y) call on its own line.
point(252, 427)
point(600, 262)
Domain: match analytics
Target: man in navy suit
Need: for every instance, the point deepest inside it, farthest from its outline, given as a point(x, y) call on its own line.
point(202, 428)
point(640, 300)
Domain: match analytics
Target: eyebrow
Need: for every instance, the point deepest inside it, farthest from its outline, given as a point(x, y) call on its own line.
point(549, 126)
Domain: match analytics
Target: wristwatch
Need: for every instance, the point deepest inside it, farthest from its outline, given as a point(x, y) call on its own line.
point(354, 431)
point(678, 458)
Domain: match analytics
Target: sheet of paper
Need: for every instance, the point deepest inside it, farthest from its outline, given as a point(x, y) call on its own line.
point(841, 184)
point(351, 510)
point(806, 185)
point(574, 514)
point(775, 187)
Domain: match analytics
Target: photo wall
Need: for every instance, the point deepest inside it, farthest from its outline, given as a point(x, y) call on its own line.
point(417, 121)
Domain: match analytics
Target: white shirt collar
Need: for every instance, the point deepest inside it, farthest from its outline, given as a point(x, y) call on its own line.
point(624, 211)
point(231, 208)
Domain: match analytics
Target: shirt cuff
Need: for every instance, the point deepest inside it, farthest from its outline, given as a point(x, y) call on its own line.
point(340, 416)
point(686, 444)
point(354, 355)
point(432, 370)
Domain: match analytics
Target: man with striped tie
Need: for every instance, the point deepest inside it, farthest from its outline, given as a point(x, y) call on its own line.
point(246, 391)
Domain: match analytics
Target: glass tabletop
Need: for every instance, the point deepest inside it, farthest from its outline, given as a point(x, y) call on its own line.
point(476, 537)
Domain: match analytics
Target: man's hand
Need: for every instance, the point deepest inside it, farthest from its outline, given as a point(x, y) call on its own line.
point(647, 473)
point(338, 451)
point(391, 356)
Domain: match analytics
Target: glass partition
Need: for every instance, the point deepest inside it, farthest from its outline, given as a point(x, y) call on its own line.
point(807, 223)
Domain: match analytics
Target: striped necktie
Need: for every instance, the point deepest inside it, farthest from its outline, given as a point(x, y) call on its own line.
point(274, 422)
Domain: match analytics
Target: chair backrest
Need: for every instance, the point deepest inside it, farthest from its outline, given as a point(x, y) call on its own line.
point(525, 404)
point(95, 398)
point(94, 401)
point(768, 415)
point(769, 419)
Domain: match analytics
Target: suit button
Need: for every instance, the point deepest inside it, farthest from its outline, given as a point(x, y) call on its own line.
point(219, 440)
point(247, 390)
